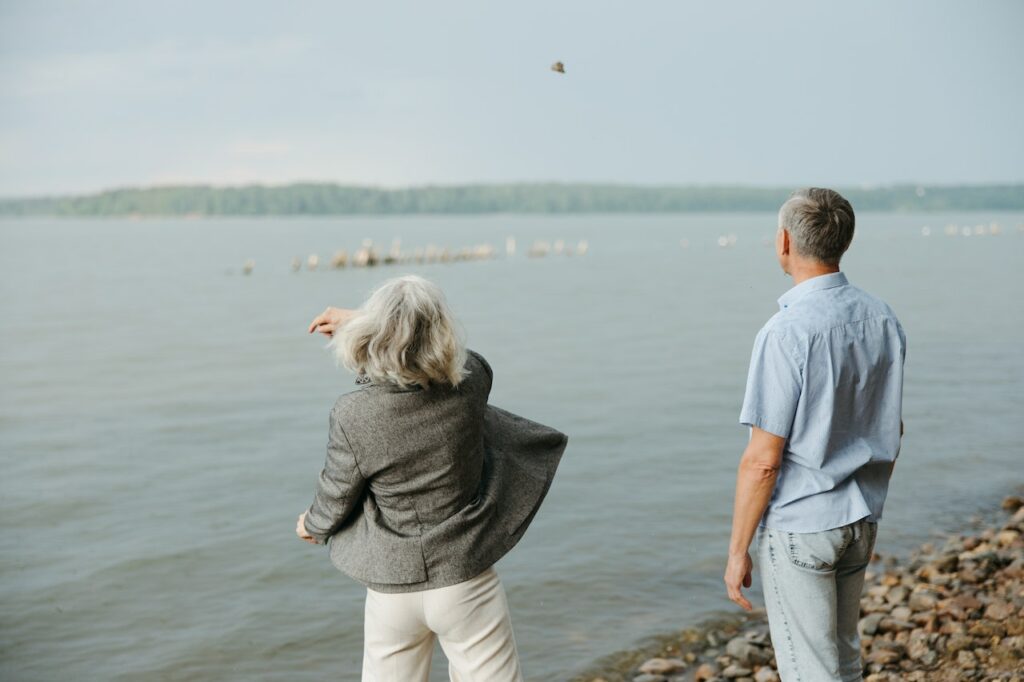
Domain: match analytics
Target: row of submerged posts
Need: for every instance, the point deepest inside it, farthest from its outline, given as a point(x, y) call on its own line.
point(368, 256)
point(980, 230)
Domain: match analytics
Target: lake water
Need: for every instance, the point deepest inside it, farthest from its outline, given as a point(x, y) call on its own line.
point(163, 419)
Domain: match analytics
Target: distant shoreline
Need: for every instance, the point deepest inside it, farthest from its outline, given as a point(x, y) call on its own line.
point(332, 200)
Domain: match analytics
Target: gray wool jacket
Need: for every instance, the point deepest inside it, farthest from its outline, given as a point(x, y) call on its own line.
point(424, 488)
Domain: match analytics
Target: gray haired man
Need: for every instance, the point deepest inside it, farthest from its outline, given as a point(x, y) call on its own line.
point(823, 402)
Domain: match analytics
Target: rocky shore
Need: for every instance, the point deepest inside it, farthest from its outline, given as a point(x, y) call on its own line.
point(943, 614)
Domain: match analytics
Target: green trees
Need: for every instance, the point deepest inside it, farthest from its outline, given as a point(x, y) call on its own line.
point(331, 199)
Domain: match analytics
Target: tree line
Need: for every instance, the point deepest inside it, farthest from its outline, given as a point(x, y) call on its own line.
point(333, 199)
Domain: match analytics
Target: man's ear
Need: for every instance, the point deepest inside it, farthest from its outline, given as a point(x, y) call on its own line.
point(785, 241)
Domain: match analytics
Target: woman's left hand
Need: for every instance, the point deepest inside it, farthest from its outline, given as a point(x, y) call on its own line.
point(330, 319)
point(300, 529)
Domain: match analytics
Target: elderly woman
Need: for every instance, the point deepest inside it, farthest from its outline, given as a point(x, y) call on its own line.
point(425, 487)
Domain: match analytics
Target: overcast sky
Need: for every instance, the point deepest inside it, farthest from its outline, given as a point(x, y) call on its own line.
point(112, 93)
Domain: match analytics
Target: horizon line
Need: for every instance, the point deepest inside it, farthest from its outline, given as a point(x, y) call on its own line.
point(516, 183)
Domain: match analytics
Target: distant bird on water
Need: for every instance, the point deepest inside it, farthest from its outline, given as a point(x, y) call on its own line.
point(558, 67)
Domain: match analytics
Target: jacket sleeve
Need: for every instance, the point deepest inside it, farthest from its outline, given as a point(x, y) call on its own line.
point(486, 365)
point(339, 487)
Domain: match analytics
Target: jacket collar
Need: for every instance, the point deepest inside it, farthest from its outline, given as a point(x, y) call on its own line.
point(364, 381)
point(829, 281)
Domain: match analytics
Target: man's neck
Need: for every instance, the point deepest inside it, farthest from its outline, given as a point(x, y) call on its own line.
point(804, 271)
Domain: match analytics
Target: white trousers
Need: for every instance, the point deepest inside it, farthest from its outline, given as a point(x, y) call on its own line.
point(470, 619)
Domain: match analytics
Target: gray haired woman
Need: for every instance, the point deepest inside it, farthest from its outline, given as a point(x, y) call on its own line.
point(425, 487)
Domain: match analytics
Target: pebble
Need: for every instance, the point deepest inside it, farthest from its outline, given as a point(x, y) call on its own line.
point(662, 666)
point(746, 652)
point(869, 624)
point(705, 671)
point(734, 671)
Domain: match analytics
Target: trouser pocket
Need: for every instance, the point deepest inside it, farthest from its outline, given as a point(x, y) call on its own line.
point(818, 551)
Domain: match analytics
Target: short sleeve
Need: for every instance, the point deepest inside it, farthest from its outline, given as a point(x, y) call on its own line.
point(773, 385)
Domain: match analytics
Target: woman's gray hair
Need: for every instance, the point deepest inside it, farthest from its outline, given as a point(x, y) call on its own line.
point(820, 222)
point(404, 334)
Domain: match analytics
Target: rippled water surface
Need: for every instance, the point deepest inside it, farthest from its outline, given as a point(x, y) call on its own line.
point(163, 418)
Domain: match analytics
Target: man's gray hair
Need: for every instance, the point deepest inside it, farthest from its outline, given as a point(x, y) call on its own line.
point(403, 334)
point(820, 223)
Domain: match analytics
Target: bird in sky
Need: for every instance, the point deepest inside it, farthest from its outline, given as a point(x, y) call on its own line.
point(558, 67)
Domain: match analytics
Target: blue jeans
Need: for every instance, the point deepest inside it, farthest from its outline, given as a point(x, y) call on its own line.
point(812, 584)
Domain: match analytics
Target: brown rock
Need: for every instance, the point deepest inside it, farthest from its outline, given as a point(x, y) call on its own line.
point(947, 563)
point(967, 659)
point(952, 627)
point(878, 591)
point(1005, 538)
point(961, 607)
point(1012, 503)
point(890, 579)
point(705, 671)
point(999, 610)
point(923, 599)
point(1015, 644)
point(958, 643)
point(766, 674)
point(986, 628)
point(918, 645)
point(883, 657)
point(889, 624)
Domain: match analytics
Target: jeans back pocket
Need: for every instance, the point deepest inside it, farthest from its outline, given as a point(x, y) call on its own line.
point(817, 551)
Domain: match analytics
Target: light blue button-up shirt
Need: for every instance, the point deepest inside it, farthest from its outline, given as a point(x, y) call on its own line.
point(826, 374)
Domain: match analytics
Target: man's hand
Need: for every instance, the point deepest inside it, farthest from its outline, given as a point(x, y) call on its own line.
point(737, 576)
point(300, 529)
point(330, 320)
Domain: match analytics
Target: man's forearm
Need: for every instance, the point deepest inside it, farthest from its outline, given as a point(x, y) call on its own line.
point(755, 482)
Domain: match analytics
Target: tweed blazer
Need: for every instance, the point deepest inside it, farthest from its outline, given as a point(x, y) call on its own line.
point(424, 488)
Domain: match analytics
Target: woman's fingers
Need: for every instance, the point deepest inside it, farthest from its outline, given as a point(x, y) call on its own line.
point(327, 321)
point(326, 317)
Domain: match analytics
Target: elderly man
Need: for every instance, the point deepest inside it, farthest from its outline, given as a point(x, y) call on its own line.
point(823, 403)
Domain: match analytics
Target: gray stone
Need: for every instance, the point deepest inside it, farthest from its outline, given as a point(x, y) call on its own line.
point(734, 671)
point(745, 652)
point(869, 624)
point(901, 613)
point(662, 666)
point(897, 595)
point(923, 600)
point(650, 678)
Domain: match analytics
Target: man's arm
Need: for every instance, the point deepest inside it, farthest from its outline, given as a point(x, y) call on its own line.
point(755, 481)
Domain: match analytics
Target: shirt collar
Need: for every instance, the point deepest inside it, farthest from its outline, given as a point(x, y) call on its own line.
point(832, 279)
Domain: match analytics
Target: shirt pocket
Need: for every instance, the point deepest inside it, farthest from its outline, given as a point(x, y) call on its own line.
point(819, 551)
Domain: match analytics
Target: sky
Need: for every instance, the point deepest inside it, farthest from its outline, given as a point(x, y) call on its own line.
point(113, 93)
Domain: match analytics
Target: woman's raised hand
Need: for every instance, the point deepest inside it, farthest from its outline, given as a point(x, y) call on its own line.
point(330, 320)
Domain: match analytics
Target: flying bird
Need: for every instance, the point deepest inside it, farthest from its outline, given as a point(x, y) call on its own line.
point(558, 67)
